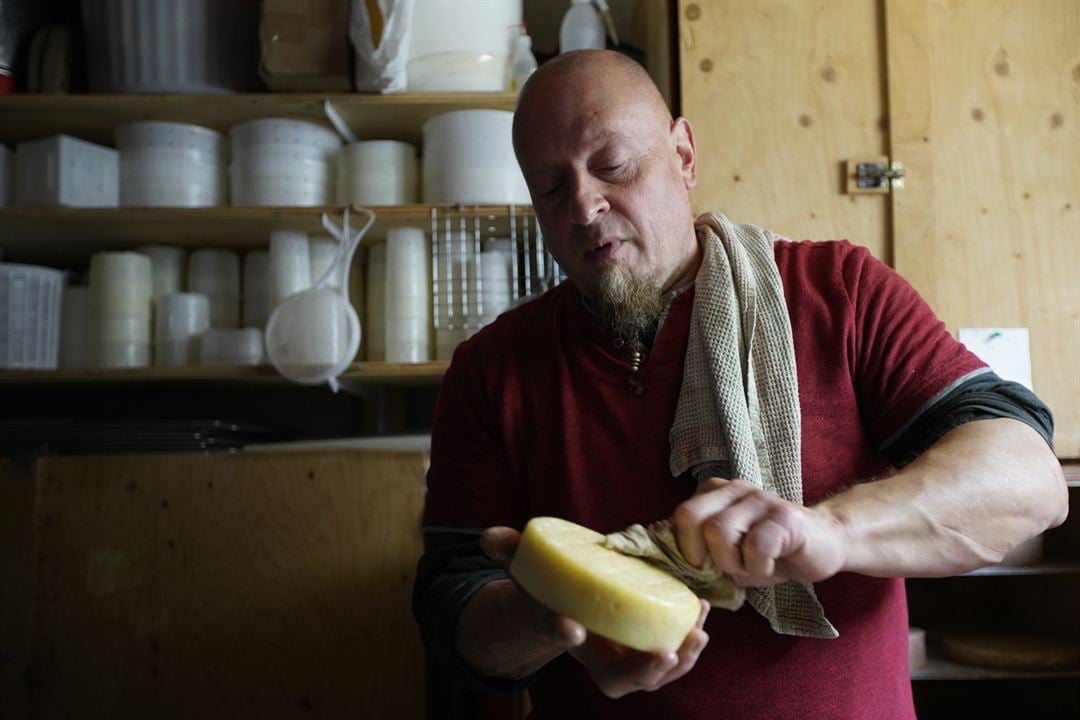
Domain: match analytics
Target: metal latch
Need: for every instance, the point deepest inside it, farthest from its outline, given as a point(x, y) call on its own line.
point(874, 175)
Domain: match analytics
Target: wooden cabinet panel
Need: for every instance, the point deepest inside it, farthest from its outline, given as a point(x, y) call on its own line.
point(979, 101)
point(985, 102)
point(780, 94)
point(234, 586)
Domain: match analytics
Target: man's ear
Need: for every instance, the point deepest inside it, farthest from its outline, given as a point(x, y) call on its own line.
point(683, 135)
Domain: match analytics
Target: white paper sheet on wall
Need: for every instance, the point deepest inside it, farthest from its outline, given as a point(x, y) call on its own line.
point(1005, 350)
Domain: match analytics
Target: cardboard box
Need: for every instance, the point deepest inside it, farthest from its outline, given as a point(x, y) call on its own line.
point(305, 46)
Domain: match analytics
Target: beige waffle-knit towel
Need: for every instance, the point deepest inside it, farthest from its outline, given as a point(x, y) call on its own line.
point(738, 414)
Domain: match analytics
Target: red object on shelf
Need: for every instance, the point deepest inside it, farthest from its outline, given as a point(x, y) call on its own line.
point(7, 82)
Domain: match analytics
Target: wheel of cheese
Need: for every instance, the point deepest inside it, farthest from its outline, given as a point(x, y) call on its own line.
point(1010, 652)
point(567, 568)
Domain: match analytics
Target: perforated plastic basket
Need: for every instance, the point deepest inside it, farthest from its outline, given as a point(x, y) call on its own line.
point(29, 316)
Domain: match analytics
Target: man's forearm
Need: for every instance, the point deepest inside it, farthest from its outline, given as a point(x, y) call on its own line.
point(975, 494)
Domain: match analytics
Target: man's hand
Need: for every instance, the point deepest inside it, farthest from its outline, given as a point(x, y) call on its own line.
point(503, 632)
point(756, 537)
point(618, 670)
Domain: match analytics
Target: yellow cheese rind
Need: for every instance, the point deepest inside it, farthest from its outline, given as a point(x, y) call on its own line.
point(567, 568)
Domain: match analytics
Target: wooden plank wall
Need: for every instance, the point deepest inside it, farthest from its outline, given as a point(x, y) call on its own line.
point(780, 93)
point(262, 585)
point(986, 116)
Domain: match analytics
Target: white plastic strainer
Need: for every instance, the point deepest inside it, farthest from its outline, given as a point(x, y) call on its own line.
point(313, 335)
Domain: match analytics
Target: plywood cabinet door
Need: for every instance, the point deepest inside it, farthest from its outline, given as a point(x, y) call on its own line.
point(979, 100)
point(985, 100)
point(252, 585)
point(780, 93)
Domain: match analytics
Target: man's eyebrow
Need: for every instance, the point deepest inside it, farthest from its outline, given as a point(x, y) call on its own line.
point(604, 138)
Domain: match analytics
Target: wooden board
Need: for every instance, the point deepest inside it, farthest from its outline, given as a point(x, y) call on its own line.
point(395, 116)
point(65, 237)
point(18, 500)
point(986, 117)
point(268, 585)
point(780, 94)
point(361, 373)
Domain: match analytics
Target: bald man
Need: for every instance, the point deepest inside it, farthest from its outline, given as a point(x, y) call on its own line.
point(563, 407)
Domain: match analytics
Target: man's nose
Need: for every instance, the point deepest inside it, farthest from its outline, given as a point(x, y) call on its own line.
point(587, 201)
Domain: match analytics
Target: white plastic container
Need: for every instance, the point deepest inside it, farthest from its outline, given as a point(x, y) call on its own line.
point(7, 176)
point(290, 264)
point(119, 355)
point(582, 28)
point(462, 45)
point(319, 142)
point(469, 158)
point(121, 285)
point(408, 296)
point(113, 330)
point(153, 136)
point(274, 185)
point(377, 172)
point(179, 322)
point(282, 162)
point(121, 292)
point(232, 346)
point(62, 171)
point(74, 320)
point(407, 341)
point(167, 164)
point(169, 267)
point(165, 46)
point(523, 62)
point(318, 333)
point(29, 316)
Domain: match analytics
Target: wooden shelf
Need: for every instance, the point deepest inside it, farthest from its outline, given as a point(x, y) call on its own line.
point(940, 669)
point(1059, 567)
point(398, 116)
point(360, 374)
point(64, 237)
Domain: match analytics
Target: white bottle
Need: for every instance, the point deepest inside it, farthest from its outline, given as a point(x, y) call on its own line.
point(582, 28)
point(523, 63)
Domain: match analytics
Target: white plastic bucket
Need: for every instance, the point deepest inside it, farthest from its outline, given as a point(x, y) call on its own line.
point(283, 134)
point(377, 172)
point(158, 136)
point(121, 285)
point(30, 316)
point(469, 158)
point(474, 56)
point(169, 164)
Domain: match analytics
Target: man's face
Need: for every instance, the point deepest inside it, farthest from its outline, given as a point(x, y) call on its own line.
point(609, 182)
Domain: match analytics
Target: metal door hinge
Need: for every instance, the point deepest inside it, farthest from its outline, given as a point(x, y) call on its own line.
point(874, 175)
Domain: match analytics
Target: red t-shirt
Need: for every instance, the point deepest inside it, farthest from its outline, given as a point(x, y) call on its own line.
point(535, 417)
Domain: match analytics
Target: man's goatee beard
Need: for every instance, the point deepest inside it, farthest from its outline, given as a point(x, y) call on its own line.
point(630, 306)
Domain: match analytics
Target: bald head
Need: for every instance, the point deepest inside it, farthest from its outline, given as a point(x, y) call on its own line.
point(581, 79)
point(609, 172)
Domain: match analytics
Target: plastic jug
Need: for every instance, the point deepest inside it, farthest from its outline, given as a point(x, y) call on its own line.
point(582, 28)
